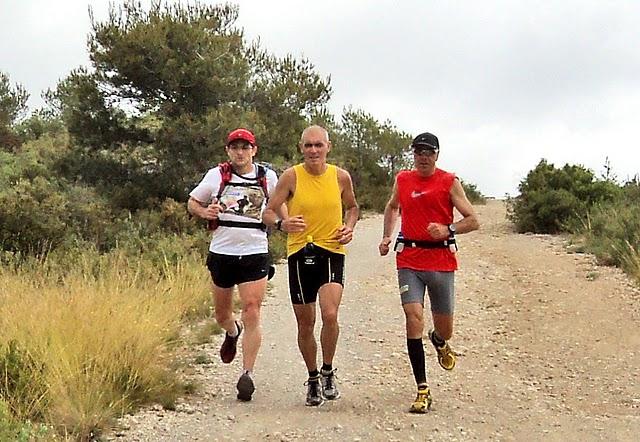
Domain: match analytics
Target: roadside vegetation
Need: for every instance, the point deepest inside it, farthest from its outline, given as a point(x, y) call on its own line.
point(473, 194)
point(88, 336)
point(602, 214)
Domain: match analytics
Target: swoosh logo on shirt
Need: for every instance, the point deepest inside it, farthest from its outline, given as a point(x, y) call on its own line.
point(415, 194)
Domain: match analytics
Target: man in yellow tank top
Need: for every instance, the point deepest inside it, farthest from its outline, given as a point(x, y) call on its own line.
point(316, 194)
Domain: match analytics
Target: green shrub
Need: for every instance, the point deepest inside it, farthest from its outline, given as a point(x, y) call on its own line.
point(552, 199)
point(611, 231)
point(473, 194)
point(13, 430)
point(39, 214)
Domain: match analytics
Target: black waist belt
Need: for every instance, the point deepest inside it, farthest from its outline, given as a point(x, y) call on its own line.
point(424, 244)
point(241, 224)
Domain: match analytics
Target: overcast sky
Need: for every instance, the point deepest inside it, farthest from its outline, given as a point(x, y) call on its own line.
point(501, 83)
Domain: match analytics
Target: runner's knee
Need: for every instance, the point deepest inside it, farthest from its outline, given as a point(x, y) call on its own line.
point(415, 320)
point(222, 315)
point(330, 316)
point(251, 313)
point(306, 326)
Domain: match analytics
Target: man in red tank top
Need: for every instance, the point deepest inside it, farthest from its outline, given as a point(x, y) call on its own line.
point(424, 199)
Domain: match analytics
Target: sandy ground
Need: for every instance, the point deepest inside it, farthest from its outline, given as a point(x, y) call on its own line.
point(548, 345)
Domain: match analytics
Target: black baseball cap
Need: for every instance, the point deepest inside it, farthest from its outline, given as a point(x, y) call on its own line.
point(425, 141)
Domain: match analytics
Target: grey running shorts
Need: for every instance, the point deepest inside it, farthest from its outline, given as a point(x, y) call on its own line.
point(306, 278)
point(439, 285)
point(229, 270)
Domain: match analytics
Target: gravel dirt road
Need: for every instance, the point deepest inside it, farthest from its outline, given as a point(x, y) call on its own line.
point(548, 345)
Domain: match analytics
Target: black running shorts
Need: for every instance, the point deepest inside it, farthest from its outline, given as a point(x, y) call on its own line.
point(229, 270)
point(305, 279)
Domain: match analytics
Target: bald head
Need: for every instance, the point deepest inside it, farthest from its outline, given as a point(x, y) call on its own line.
point(315, 131)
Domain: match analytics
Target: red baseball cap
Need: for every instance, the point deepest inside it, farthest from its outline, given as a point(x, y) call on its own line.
point(241, 134)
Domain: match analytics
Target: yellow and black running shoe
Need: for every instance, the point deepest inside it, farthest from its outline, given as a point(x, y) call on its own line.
point(423, 400)
point(446, 356)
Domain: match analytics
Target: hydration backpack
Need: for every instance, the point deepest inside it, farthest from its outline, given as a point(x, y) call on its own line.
point(226, 171)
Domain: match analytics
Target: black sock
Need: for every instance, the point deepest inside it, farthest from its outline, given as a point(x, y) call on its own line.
point(327, 367)
point(435, 337)
point(314, 374)
point(416, 356)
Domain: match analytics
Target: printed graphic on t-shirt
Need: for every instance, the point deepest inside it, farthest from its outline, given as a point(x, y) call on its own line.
point(241, 200)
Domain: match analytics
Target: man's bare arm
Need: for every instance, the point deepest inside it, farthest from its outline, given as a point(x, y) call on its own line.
point(391, 212)
point(201, 210)
point(276, 208)
point(344, 235)
point(469, 222)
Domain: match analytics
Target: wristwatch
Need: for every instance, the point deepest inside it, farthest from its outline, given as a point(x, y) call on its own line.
point(279, 225)
point(452, 229)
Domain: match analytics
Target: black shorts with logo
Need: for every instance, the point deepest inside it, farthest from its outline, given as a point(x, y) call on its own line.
point(229, 270)
point(306, 278)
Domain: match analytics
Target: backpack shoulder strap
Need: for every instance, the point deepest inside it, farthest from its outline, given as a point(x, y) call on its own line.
point(262, 179)
point(225, 173)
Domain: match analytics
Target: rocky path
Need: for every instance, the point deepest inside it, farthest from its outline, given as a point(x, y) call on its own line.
point(548, 345)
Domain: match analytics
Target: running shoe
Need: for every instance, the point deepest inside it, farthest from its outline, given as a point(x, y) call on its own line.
point(229, 346)
point(446, 357)
point(314, 392)
point(245, 387)
point(423, 400)
point(329, 387)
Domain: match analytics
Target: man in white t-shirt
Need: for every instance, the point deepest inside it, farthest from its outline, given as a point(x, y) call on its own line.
point(232, 197)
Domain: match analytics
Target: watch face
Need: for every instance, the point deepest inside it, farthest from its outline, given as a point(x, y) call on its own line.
point(452, 228)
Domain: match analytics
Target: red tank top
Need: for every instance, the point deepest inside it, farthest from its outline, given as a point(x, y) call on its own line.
point(424, 200)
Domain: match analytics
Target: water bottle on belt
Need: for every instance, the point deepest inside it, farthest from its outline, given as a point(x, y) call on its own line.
point(453, 247)
point(309, 251)
point(399, 245)
point(451, 242)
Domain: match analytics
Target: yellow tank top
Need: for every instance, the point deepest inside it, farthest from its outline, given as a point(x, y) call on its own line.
point(317, 198)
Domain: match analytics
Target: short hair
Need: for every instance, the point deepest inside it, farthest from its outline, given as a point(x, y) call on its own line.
point(315, 126)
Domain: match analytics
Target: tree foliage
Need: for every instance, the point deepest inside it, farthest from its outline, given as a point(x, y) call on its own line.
point(550, 198)
point(13, 106)
point(373, 152)
point(166, 86)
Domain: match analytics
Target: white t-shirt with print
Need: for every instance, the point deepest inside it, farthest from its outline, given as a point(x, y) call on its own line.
point(240, 203)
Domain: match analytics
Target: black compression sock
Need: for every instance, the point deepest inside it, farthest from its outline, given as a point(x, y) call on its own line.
point(416, 356)
point(435, 337)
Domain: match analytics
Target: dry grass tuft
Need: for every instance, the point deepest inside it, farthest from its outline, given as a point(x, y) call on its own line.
point(83, 344)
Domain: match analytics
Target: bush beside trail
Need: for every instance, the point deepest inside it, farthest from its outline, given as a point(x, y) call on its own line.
point(611, 231)
point(601, 215)
point(473, 194)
